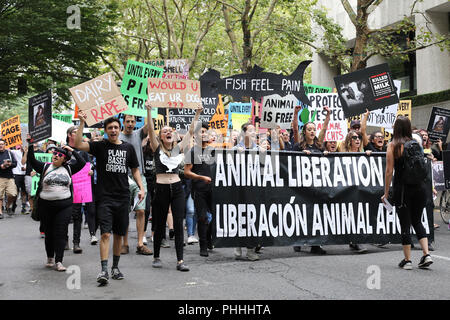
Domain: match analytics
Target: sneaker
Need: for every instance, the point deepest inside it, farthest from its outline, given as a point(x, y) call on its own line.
point(182, 267)
point(358, 248)
point(24, 210)
point(77, 249)
point(1, 216)
point(405, 264)
point(85, 226)
point(103, 277)
point(144, 250)
point(204, 252)
point(430, 246)
point(297, 248)
point(125, 250)
point(43, 236)
point(94, 240)
point(192, 240)
point(252, 255)
point(237, 253)
point(258, 249)
point(116, 274)
point(50, 262)
point(59, 267)
point(425, 261)
point(171, 234)
point(164, 244)
point(67, 246)
point(157, 263)
point(10, 211)
point(144, 240)
point(317, 250)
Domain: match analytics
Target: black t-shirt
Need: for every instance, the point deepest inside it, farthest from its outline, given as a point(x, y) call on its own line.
point(201, 160)
point(371, 147)
point(310, 147)
point(149, 165)
point(113, 161)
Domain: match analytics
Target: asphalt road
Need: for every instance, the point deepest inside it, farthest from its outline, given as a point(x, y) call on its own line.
point(280, 274)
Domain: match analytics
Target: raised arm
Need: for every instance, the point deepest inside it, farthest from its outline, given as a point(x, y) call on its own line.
point(295, 124)
point(323, 131)
point(79, 143)
point(37, 165)
point(151, 130)
point(365, 141)
point(187, 138)
point(77, 165)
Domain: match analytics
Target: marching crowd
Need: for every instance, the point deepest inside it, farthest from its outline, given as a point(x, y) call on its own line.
point(166, 178)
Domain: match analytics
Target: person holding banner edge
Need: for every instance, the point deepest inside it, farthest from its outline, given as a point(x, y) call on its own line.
point(168, 190)
point(408, 199)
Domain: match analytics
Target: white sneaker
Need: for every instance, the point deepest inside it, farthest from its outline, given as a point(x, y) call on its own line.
point(94, 240)
point(238, 253)
point(252, 255)
point(86, 226)
point(59, 267)
point(192, 240)
point(144, 240)
point(50, 262)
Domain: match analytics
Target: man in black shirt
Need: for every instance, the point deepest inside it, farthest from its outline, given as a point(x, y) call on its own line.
point(7, 184)
point(113, 157)
point(376, 142)
point(198, 168)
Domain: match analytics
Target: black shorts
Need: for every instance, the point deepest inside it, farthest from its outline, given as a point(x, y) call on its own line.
point(112, 216)
point(20, 182)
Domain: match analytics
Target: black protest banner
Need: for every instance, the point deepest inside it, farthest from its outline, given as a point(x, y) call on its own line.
point(255, 84)
point(439, 124)
point(288, 198)
point(370, 88)
point(40, 116)
point(446, 161)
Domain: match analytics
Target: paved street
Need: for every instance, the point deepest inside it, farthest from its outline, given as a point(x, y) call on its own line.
point(280, 274)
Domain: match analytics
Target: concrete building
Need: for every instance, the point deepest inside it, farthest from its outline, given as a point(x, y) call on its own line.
point(428, 70)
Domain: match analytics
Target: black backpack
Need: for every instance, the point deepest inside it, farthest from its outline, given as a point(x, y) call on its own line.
point(414, 167)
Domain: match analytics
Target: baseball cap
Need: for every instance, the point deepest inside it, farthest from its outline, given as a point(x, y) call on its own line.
point(355, 123)
point(50, 146)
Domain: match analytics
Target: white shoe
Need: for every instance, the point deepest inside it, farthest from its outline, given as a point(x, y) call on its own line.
point(50, 262)
point(192, 240)
point(86, 226)
point(59, 267)
point(94, 240)
point(252, 255)
point(238, 253)
point(144, 240)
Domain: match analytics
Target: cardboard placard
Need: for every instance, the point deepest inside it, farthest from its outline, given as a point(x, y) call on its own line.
point(219, 120)
point(174, 93)
point(134, 86)
point(370, 88)
point(172, 67)
point(40, 116)
point(439, 124)
point(11, 132)
point(239, 119)
point(337, 128)
point(99, 98)
point(278, 111)
point(403, 109)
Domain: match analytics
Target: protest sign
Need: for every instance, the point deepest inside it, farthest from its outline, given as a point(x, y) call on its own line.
point(63, 117)
point(337, 127)
point(278, 111)
point(255, 84)
point(239, 119)
point(173, 93)
point(438, 176)
point(40, 116)
point(43, 157)
point(312, 88)
point(370, 88)
point(446, 163)
point(439, 124)
point(237, 107)
point(59, 131)
point(134, 86)
point(404, 109)
point(385, 117)
point(11, 132)
point(82, 188)
point(173, 68)
point(99, 98)
point(219, 120)
point(285, 199)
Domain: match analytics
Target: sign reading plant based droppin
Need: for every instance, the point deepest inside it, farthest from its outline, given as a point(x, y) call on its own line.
point(172, 93)
point(11, 132)
point(134, 86)
point(278, 111)
point(40, 116)
point(99, 98)
point(337, 127)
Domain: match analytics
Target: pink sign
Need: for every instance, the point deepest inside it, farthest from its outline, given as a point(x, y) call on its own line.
point(82, 188)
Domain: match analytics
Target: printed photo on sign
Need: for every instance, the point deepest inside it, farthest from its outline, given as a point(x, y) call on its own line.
point(371, 88)
point(40, 116)
point(438, 176)
point(439, 124)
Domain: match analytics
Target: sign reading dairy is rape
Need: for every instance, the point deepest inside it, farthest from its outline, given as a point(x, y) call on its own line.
point(99, 98)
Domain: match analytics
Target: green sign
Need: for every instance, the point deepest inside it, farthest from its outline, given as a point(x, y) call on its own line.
point(312, 88)
point(63, 117)
point(134, 87)
point(43, 157)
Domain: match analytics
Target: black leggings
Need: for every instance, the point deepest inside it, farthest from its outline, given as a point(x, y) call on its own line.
point(89, 216)
point(55, 216)
point(410, 213)
point(203, 205)
point(168, 195)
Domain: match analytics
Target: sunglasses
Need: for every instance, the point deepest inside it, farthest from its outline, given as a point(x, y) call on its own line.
point(59, 154)
point(357, 137)
point(378, 137)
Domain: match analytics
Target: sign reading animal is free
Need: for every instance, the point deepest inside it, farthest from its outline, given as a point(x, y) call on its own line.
point(278, 111)
point(134, 86)
point(99, 98)
point(11, 132)
point(337, 127)
point(174, 93)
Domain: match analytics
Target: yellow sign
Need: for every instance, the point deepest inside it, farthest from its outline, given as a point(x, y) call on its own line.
point(11, 132)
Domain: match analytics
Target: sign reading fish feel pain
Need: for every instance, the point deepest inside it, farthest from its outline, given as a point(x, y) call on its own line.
point(174, 93)
point(99, 98)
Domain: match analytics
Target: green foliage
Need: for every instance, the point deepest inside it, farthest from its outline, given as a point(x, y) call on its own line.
point(429, 98)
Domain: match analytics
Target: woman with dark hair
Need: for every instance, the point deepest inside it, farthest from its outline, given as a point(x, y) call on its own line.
point(55, 198)
point(168, 154)
point(409, 200)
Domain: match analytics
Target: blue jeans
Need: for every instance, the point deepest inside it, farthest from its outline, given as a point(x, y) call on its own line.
point(191, 219)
